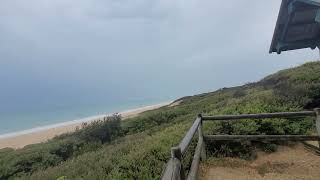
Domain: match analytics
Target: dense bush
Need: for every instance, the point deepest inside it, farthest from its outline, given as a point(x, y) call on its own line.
point(15, 163)
point(231, 149)
point(101, 131)
point(152, 119)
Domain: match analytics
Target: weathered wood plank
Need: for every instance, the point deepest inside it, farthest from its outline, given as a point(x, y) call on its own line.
point(317, 110)
point(261, 116)
point(312, 148)
point(193, 173)
point(261, 138)
point(188, 137)
point(318, 120)
point(177, 154)
point(172, 171)
point(200, 136)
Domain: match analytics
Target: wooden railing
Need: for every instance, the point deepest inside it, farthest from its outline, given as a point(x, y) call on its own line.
point(175, 169)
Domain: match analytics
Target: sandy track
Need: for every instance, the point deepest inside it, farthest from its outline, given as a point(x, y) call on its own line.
point(288, 163)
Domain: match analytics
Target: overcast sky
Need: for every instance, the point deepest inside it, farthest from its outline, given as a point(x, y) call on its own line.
point(81, 49)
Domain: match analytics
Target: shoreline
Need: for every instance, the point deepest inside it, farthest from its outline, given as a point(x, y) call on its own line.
point(35, 135)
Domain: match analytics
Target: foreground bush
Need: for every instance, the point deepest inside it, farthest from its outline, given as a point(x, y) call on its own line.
point(15, 163)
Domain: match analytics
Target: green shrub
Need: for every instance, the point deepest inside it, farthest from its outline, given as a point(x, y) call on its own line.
point(102, 130)
point(15, 163)
point(270, 147)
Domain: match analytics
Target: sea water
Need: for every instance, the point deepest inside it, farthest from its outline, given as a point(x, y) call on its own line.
point(17, 120)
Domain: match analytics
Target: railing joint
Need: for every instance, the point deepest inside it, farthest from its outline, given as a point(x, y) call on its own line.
point(199, 115)
point(176, 152)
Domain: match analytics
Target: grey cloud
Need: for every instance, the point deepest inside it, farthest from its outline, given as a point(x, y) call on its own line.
point(137, 47)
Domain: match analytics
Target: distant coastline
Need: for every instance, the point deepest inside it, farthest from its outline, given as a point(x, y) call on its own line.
point(41, 134)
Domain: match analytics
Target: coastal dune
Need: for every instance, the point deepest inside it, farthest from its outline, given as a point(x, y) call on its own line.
point(43, 134)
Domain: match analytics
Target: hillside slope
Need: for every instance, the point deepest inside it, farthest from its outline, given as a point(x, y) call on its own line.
point(138, 148)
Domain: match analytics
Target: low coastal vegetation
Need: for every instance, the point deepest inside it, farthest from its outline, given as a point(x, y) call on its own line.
point(139, 147)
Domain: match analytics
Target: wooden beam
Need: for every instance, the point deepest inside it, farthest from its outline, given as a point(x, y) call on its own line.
point(172, 171)
point(317, 110)
point(193, 173)
point(318, 120)
point(188, 137)
point(261, 138)
point(312, 148)
point(261, 116)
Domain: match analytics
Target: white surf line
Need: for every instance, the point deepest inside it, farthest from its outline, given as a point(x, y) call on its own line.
point(82, 120)
point(57, 125)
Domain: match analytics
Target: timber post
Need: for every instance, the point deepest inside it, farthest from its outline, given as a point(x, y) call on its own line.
point(177, 154)
point(317, 110)
point(200, 133)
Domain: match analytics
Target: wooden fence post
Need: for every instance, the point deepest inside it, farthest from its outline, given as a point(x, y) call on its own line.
point(317, 110)
point(176, 153)
point(200, 133)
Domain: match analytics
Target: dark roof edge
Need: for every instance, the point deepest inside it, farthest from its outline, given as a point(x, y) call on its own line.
point(276, 27)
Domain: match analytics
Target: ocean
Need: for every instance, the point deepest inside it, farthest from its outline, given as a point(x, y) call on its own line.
point(18, 120)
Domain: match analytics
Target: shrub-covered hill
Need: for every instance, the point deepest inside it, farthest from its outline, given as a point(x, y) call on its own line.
point(138, 148)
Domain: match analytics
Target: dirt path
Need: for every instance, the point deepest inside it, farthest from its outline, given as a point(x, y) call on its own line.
point(288, 163)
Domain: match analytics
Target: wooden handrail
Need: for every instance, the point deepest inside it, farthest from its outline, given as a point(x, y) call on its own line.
point(172, 170)
point(261, 137)
point(261, 116)
point(189, 135)
point(198, 154)
point(177, 153)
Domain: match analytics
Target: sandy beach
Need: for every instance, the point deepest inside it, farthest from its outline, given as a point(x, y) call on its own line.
point(41, 134)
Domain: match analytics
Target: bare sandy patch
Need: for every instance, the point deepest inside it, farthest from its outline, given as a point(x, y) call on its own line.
point(176, 103)
point(288, 163)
